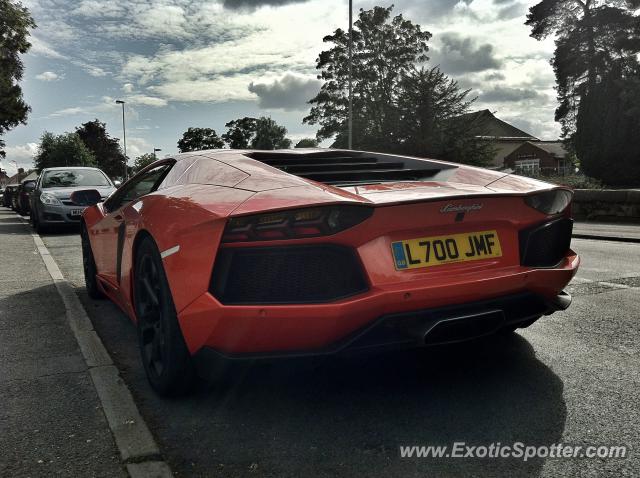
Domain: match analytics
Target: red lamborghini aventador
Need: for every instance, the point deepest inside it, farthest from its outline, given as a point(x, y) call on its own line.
point(249, 254)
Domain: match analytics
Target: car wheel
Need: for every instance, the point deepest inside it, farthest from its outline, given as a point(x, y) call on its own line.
point(89, 266)
point(38, 226)
point(165, 357)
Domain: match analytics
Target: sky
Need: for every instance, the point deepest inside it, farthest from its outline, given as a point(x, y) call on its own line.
point(201, 63)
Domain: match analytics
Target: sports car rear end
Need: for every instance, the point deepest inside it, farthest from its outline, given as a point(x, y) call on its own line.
point(382, 261)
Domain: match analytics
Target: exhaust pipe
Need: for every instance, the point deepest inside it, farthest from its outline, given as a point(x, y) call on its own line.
point(459, 329)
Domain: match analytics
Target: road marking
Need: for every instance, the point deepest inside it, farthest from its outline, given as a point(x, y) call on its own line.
point(581, 280)
point(614, 285)
point(132, 436)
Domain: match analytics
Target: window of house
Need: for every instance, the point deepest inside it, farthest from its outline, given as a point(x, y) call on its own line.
point(527, 166)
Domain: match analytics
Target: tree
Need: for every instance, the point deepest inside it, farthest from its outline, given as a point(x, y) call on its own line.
point(384, 49)
point(105, 149)
point(15, 26)
point(592, 35)
point(198, 139)
point(62, 150)
point(398, 106)
point(433, 120)
point(613, 102)
point(596, 67)
point(143, 161)
point(257, 133)
point(307, 143)
point(240, 132)
point(270, 135)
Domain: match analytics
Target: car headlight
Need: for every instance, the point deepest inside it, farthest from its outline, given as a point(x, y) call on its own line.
point(550, 202)
point(50, 199)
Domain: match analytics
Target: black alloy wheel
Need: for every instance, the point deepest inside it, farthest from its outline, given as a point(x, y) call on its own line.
point(89, 266)
point(164, 354)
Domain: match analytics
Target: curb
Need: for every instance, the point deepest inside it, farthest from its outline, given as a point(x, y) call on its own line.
point(138, 449)
point(632, 240)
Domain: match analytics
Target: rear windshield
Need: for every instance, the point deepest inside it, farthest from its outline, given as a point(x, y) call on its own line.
point(74, 177)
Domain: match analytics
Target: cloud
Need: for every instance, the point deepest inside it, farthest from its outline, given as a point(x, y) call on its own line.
point(137, 146)
point(98, 9)
point(221, 71)
point(511, 11)
point(71, 111)
point(42, 48)
point(106, 104)
point(253, 4)
point(94, 71)
point(219, 89)
point(504, 94)
point(459, 54)
point(433, 9)
point(146, 100)
point(48, 76)
point(290, 92)
point(496, 76)
point(22, 154)
point(127, 88)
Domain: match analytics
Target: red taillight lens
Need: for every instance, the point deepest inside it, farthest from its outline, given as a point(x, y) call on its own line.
point(295, 224)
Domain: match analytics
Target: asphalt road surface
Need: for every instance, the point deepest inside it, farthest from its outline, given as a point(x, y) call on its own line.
point(571, 378)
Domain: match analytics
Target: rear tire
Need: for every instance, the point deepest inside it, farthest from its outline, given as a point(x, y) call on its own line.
point(89, 266)
point(164, 354)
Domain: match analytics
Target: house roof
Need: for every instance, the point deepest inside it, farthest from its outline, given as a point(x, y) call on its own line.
point(19, 177)
point(493, 127)
point(31, 176)
point(555, 148)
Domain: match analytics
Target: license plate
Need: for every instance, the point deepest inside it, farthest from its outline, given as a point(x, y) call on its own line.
point(436, 250)
point(76, 212)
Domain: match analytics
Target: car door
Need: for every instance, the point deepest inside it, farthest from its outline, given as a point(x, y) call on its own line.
point(109, 233)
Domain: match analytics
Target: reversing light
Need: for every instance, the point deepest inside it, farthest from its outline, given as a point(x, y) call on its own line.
point(295, 224)
point(550, 202)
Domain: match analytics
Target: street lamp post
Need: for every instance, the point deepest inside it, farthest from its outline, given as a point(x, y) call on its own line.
point(124, 141)
point(155, 150)
point(350, 74)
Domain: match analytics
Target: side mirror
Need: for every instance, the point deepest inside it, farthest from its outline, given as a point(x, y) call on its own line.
point(117, 183)
point(86, 197)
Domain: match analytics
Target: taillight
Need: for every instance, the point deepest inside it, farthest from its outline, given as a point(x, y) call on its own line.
point(550, 202)
point(295, 224)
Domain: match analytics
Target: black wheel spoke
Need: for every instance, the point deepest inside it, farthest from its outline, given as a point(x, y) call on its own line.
point(151, 293)
point(149, 309)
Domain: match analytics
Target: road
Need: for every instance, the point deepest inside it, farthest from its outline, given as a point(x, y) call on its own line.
point(571, 378)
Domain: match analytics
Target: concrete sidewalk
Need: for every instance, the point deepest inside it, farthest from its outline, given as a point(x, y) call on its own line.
point(607, 231)
point(51, 420)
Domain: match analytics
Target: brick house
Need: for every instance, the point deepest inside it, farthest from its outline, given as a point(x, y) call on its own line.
point(505, 137)
point(539, 157)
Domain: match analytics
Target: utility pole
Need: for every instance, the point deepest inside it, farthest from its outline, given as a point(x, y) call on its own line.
point(124, 142)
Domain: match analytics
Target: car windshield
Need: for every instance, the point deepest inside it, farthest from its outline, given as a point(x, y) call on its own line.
point(74, 177)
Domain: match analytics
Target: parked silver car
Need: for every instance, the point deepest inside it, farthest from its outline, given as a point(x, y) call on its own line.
point(53, 202)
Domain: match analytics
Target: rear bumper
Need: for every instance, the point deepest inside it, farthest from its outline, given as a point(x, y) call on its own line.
point(256, 330)
point(421, 328)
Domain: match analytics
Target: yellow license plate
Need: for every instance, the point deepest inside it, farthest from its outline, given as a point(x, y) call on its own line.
point(436, 250)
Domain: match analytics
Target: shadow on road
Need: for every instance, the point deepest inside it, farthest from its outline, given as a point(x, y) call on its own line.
point(348, 417)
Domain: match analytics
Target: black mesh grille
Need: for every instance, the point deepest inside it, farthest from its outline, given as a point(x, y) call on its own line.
point(286, 275)
point(545, 245)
